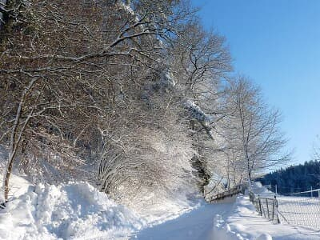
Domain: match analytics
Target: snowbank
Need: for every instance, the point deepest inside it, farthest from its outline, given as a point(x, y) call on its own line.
point(244, 223)
point(78, 211)
point(67, 211)
point(259, 189)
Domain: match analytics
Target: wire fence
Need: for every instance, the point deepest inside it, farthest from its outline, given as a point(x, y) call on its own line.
point(299, 211)
point(311, 193)
point(290, 191)
point(267, 207)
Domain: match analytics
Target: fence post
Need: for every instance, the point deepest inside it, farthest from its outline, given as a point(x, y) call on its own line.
point(267, 208)
point(276, 213)
point(273, 203)
point(251, 196)
point(259, 205)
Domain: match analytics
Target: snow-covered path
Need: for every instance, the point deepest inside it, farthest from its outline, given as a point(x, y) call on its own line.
point(233, 220)
point(79, 211)
point(195, 225)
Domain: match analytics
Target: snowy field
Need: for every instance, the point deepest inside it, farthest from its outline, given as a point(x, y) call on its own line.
point(78, 211)
point(299, 211)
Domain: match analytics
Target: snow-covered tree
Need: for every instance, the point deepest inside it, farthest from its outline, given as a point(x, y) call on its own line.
point(126, 94)
point(251, 128)
point(149, 156)
point(70, 75)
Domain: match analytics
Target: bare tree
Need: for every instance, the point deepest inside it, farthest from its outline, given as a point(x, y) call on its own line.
point(148, 153)
point(125, 94)
point(253, 128)
point(200, 59)
point(316, 150)
point(64, 73)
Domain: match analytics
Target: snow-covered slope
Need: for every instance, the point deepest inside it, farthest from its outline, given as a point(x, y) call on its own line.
point(79, 211)
point(67, 211)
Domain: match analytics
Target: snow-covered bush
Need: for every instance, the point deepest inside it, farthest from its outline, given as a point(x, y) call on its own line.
point(150, 160)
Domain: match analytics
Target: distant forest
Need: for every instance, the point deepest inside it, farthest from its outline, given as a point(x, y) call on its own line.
point(294, 178)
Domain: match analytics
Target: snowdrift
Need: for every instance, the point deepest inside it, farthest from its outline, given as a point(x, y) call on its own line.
point(259, 189)
point(68, 211)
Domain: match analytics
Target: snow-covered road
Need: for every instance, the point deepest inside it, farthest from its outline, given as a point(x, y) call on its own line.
point(195, 225)
point(236, 219)
point(78, 211)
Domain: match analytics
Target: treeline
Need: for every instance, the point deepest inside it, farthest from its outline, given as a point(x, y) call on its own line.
point(294, 179)
point(132, 96)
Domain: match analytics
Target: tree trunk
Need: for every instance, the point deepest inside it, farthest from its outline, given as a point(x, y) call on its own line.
point(15, 139)
point(3, 17)
point(7, 176)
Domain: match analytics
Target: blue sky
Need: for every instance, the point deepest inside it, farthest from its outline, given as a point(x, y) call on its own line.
point(277, 44)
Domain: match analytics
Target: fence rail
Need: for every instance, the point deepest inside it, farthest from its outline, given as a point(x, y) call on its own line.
point(229, 193)
point(289, 191)
point(310, 191)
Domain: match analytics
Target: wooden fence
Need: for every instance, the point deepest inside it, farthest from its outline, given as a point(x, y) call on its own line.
point(229, 193)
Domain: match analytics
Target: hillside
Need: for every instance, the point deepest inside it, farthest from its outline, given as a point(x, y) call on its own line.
point(295, 179)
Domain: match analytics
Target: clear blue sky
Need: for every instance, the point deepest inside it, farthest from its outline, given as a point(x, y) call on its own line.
point(277, 44)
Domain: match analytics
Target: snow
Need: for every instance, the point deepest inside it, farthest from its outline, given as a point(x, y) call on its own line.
point(197, 112)
point(68, 211)
point(245, 222)
point(197, 224)
point(300, 211)
point(166, 209)
point(235, 219)
point(18, 186)
point(78, 211)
